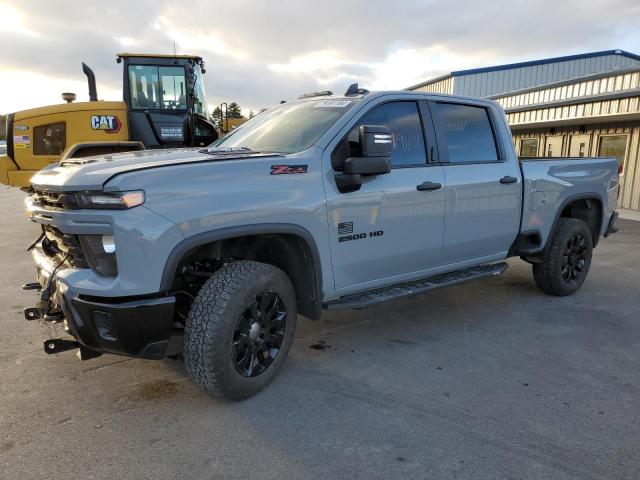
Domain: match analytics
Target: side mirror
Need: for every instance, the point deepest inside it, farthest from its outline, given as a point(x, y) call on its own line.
point(376, 143)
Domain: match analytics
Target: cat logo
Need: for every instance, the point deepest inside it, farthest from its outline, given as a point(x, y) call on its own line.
point(107, 123)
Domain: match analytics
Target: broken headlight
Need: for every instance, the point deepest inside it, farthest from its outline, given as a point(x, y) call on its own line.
point(100, 252)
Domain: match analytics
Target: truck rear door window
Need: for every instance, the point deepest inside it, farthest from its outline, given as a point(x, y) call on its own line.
point(467, 132)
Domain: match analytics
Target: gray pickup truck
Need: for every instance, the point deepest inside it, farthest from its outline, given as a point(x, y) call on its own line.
point(327, 202)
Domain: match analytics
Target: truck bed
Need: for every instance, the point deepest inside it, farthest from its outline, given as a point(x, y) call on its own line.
point(551, 183)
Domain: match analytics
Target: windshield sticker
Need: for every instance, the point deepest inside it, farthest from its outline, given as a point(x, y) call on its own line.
point(332, 104)
point(21, 141)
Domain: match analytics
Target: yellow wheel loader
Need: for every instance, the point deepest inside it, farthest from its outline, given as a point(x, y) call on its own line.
point(163, 106)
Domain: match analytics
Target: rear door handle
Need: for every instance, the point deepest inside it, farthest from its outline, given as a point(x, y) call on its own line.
point(425, 186)
point(508, 179)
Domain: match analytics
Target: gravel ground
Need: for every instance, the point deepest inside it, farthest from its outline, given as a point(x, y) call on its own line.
point(490, 380)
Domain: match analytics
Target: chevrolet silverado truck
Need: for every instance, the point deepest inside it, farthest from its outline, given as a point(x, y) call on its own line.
point(326, 202)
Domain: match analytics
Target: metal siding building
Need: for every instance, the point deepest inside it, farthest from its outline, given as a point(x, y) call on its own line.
point(580, 105)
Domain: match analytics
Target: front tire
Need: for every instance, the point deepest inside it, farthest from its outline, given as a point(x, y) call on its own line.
point(239, 329)
point(567, 260)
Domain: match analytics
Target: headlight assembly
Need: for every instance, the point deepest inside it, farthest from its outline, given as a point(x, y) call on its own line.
point(110, 200)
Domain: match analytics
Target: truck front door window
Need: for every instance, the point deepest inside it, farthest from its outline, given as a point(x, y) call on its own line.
point(467, 132)
point(403, 119)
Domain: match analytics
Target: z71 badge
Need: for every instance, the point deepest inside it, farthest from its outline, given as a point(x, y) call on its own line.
point(288, 169)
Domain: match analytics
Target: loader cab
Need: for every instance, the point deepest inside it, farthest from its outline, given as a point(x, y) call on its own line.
point(165, 100)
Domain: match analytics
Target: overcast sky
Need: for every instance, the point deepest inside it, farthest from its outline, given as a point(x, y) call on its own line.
point(259, 52)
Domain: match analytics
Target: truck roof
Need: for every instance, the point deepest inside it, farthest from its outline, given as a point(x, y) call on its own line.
point(380, 93)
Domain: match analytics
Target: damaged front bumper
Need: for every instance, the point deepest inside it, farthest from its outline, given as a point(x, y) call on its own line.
point(132, 326)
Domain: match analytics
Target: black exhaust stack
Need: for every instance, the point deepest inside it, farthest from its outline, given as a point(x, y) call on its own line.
point(91, 78)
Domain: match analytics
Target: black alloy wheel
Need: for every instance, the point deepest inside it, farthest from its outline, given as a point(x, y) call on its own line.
point(259, 333)
point(574, 259)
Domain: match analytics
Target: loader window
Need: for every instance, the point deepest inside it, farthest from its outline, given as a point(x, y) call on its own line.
point(157, 88)
point(174, 90)
point(50, 139)
point(199, 102)
point(144, 87)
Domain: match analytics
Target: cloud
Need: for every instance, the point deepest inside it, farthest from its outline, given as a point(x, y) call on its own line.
point(258, 52)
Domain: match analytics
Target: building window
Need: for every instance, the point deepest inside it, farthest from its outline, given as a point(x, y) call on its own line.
point(553, 146)
point(579, 146)
point(50, 139)
point(613, 146)
point(529, 147)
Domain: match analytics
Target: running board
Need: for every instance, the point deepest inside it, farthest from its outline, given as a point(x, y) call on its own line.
point(366, 299)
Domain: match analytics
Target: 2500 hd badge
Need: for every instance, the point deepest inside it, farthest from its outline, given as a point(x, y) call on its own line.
point(360, 236)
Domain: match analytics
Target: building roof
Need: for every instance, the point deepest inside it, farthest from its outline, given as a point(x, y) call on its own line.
point(531, 63)
point(545, 61)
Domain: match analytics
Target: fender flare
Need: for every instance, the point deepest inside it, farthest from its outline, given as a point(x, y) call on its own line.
point(567, 201)
point(203, 238)
point(516, 247)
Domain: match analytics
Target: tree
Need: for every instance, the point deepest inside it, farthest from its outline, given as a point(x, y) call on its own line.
point(3, 127)
point(217, 114)
point(234, 110)
point(251, 114)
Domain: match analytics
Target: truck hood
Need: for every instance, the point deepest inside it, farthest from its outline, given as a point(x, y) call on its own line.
point(92, 173)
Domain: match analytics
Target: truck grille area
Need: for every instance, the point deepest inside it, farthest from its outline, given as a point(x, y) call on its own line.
point(55, 200)
point(61, 247)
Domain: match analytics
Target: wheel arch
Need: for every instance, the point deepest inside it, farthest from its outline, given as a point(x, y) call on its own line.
point(587, 207)
point(287, 246)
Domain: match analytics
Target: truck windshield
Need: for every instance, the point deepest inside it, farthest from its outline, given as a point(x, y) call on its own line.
point(289, 128)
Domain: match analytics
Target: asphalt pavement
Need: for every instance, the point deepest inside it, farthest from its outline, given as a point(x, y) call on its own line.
point(490, 380)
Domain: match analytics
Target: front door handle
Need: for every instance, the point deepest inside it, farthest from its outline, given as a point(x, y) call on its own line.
point(425, 186)
point(508, 179)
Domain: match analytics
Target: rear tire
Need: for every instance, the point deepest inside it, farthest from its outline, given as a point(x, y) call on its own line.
point(567, 260)
point(239, 329)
